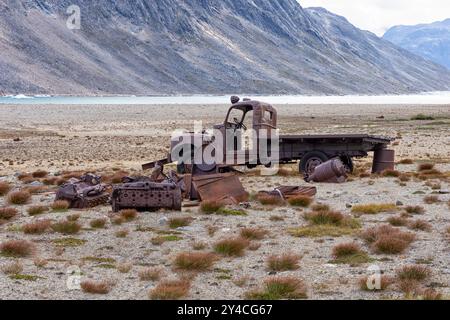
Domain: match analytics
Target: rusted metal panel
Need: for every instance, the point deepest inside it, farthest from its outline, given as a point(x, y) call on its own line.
point(86, 192)
point(330, 171)
point(215, 187)
point(383, 159)
point(286, 192)
point(146, 196)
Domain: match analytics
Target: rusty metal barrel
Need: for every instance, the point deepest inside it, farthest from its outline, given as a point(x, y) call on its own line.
point(328, 171)
point(383, 159)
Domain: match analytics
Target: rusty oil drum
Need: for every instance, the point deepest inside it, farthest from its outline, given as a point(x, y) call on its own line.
point(383, 159)
point(330, 170)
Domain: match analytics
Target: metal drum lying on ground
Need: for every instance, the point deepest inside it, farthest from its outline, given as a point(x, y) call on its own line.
point(330, 171)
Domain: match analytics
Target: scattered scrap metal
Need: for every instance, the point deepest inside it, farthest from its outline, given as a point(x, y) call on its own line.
point(287, 192)
point(85, 192)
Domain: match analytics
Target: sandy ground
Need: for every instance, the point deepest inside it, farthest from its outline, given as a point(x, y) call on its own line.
point(107, 138)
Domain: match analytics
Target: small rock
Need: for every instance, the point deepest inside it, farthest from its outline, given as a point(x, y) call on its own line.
point(444, 191)
point(163, 221)
point(17, 139)
point(399, 203)
point(348, 205)
point(272, 273)
point(36, 184)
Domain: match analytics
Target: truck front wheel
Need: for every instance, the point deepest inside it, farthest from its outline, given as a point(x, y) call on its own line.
point(311, 160)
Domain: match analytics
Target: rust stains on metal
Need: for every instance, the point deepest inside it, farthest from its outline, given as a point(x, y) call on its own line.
point(286, 192)
point(85, 192)
point(220, 187)
point(383, 159)
point(146, 196)
point(331, 171)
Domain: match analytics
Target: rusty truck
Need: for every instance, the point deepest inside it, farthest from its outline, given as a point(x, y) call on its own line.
point(308, 150)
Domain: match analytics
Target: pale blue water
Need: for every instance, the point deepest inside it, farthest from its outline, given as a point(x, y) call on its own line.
point(425, 98)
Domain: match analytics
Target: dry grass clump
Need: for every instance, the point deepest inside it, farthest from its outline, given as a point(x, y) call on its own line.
point(122, 233)
point(39, 174)
point(37, 227)
point(369, 284)
point(170, 290)
point(420, 225)
point(374, 208)
point(300, 201)
point(150, 274)
point(40, 262)
point(320, 207)
point(253, 233)
point(4, 188)
point(404, 177)
point(95, 287)
point(397, 221)
point(231, 247)
point(37, 210)
point(415, 209)
point(325, 217)
point(128, 214)
point(98, 223)
point(268, 200)
point(284, 262)
point(425, 166)
point(194, 261)
point(124, 267)
point(388, 240)
point(19, 197)
point(431, 199)
point(179, 222)
point(73, 217)
point(406, 161)
point(210, 207)
point(413, 272)
point(350, 253)
point(390, 173)
point(14, 267)
point(66, 227)
point(277, 288)
point(60, 206)
point(8, 213)
point(17, 248)
point(430, 294)
point(326, 223)
point(50, 181)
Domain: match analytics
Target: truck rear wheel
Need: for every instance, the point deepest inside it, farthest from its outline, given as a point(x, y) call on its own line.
point(311, 160)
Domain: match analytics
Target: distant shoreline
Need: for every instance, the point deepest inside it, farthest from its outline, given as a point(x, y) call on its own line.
point(441, 97)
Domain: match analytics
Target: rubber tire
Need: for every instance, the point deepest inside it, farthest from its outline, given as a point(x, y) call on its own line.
point(308, 156)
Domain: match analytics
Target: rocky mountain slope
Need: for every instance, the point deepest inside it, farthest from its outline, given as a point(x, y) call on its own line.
point(199, 46)
point(431, 41)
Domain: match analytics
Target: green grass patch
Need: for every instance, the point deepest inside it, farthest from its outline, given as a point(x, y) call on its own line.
point(69, 242)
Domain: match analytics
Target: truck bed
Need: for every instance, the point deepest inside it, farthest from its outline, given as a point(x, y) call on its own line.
point(294, 147)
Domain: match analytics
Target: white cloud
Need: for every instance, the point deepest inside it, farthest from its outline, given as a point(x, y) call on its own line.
point(379, 15)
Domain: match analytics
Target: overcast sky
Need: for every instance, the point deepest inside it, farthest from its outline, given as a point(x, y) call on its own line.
point(379, 15)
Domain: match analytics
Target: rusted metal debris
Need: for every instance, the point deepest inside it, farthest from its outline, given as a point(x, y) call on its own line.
point(286, 192)
point(146, 196)
point(224, 187)
point(332, 171)
point(86, 192)
point(383, 159)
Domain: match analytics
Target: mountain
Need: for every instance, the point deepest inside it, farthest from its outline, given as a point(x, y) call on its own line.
point(199, 46)
point(431, 41)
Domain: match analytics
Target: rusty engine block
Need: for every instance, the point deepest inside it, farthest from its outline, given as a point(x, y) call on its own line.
point(146, 196)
